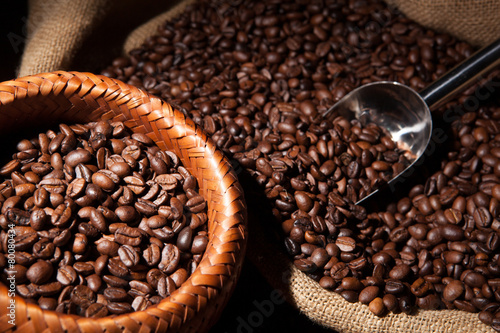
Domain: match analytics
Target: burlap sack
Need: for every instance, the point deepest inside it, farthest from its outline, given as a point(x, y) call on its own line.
point(87, 34)
point(64, 34)
point(473, 21)
point(330, 309)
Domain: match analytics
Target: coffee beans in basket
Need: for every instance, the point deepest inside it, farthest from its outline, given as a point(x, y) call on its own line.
point(103, 221)
point(258, 76)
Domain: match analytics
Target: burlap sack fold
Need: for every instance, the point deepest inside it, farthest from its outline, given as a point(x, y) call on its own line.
point(474, 21)
point(328, 308)
point(65, 34)
point(88, 34)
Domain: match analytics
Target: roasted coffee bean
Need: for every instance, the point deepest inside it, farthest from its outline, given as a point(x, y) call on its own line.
point(145, 207)
point(153, 277)
point(199, 244)
point(88, 230)
point(166, 286)
point(128, 255)
point(368, 294)
point(40, 272)
point(126, 214)
point(84, 268)
point(119, 307)
point(94, 282)
point(107, 247)
point(196, 204)
point(66, 275)
point(143, 287)
point(305, 265)
point(167, 181)
point(117, 267)
point(339, 271)
point(377, 306)
point(184, 239)
point(164, 234)
point(152, 255)
point(473, 279)
point(78, 156)
point(156, 221)
point(47, 303)
point(96, 310)
point(128, 236)
point(453, 290)
point(349, 295)
point(400, 272)
point(103, 181)
point(24, 237)
point(83, 296)
point(346, 244)
point(115, 294)
point(80, 244)
point(170, 259)
point(351, 283)
point(49, 289)
point(115, 281)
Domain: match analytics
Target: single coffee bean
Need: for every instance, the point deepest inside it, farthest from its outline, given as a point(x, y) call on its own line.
point(170, 259)
point(152, 255)
point(78, 156)
point(115, 294)
point(94, 282)
point(305, 265)
point(115, 281)
point(117, 267)
point(119, 307)
point(40, 272)
point(368, 294)
point(84, 268)
point(377, 306)
point(128, 236)
point(184, 239)
point(107, 247)
point(96, 310)
point(346, 244)
point(49, 289)
point(66, 275)
point(83, 296)
point(128, 255)
point(47, 303)
point(453, 290)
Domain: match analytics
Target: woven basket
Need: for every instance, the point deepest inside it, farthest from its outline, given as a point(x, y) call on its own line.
point(73, 97)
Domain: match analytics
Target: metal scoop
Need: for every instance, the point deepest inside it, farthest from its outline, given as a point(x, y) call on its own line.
point(404, 112)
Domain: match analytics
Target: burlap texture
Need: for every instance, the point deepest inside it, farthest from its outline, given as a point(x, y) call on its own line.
point(65, 34)
point(88, 34)
point(473, 21)
point(329, 309)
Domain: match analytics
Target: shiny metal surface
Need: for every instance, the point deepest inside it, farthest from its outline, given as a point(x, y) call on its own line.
point(392, 106)
point(404, 112)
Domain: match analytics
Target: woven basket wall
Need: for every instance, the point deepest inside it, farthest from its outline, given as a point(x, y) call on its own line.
point(73, 97)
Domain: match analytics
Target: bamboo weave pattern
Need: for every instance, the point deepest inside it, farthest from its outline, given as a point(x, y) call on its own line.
point(73, 97)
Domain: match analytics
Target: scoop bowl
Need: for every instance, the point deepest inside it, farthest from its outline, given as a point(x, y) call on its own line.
point(406, 114)
point(392, 106)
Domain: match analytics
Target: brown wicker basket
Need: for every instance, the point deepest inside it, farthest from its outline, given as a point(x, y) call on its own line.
point(74, 97)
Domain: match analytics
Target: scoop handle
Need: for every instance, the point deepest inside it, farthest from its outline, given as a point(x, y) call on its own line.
point(462, 75)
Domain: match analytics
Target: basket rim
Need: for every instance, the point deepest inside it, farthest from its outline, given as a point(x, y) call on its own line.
point(109, 99)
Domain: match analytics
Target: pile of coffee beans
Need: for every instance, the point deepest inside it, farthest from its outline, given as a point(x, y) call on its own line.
point(258, 76)
point(103, 221)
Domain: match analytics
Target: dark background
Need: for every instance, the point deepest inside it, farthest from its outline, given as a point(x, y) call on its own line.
point(249, 309)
